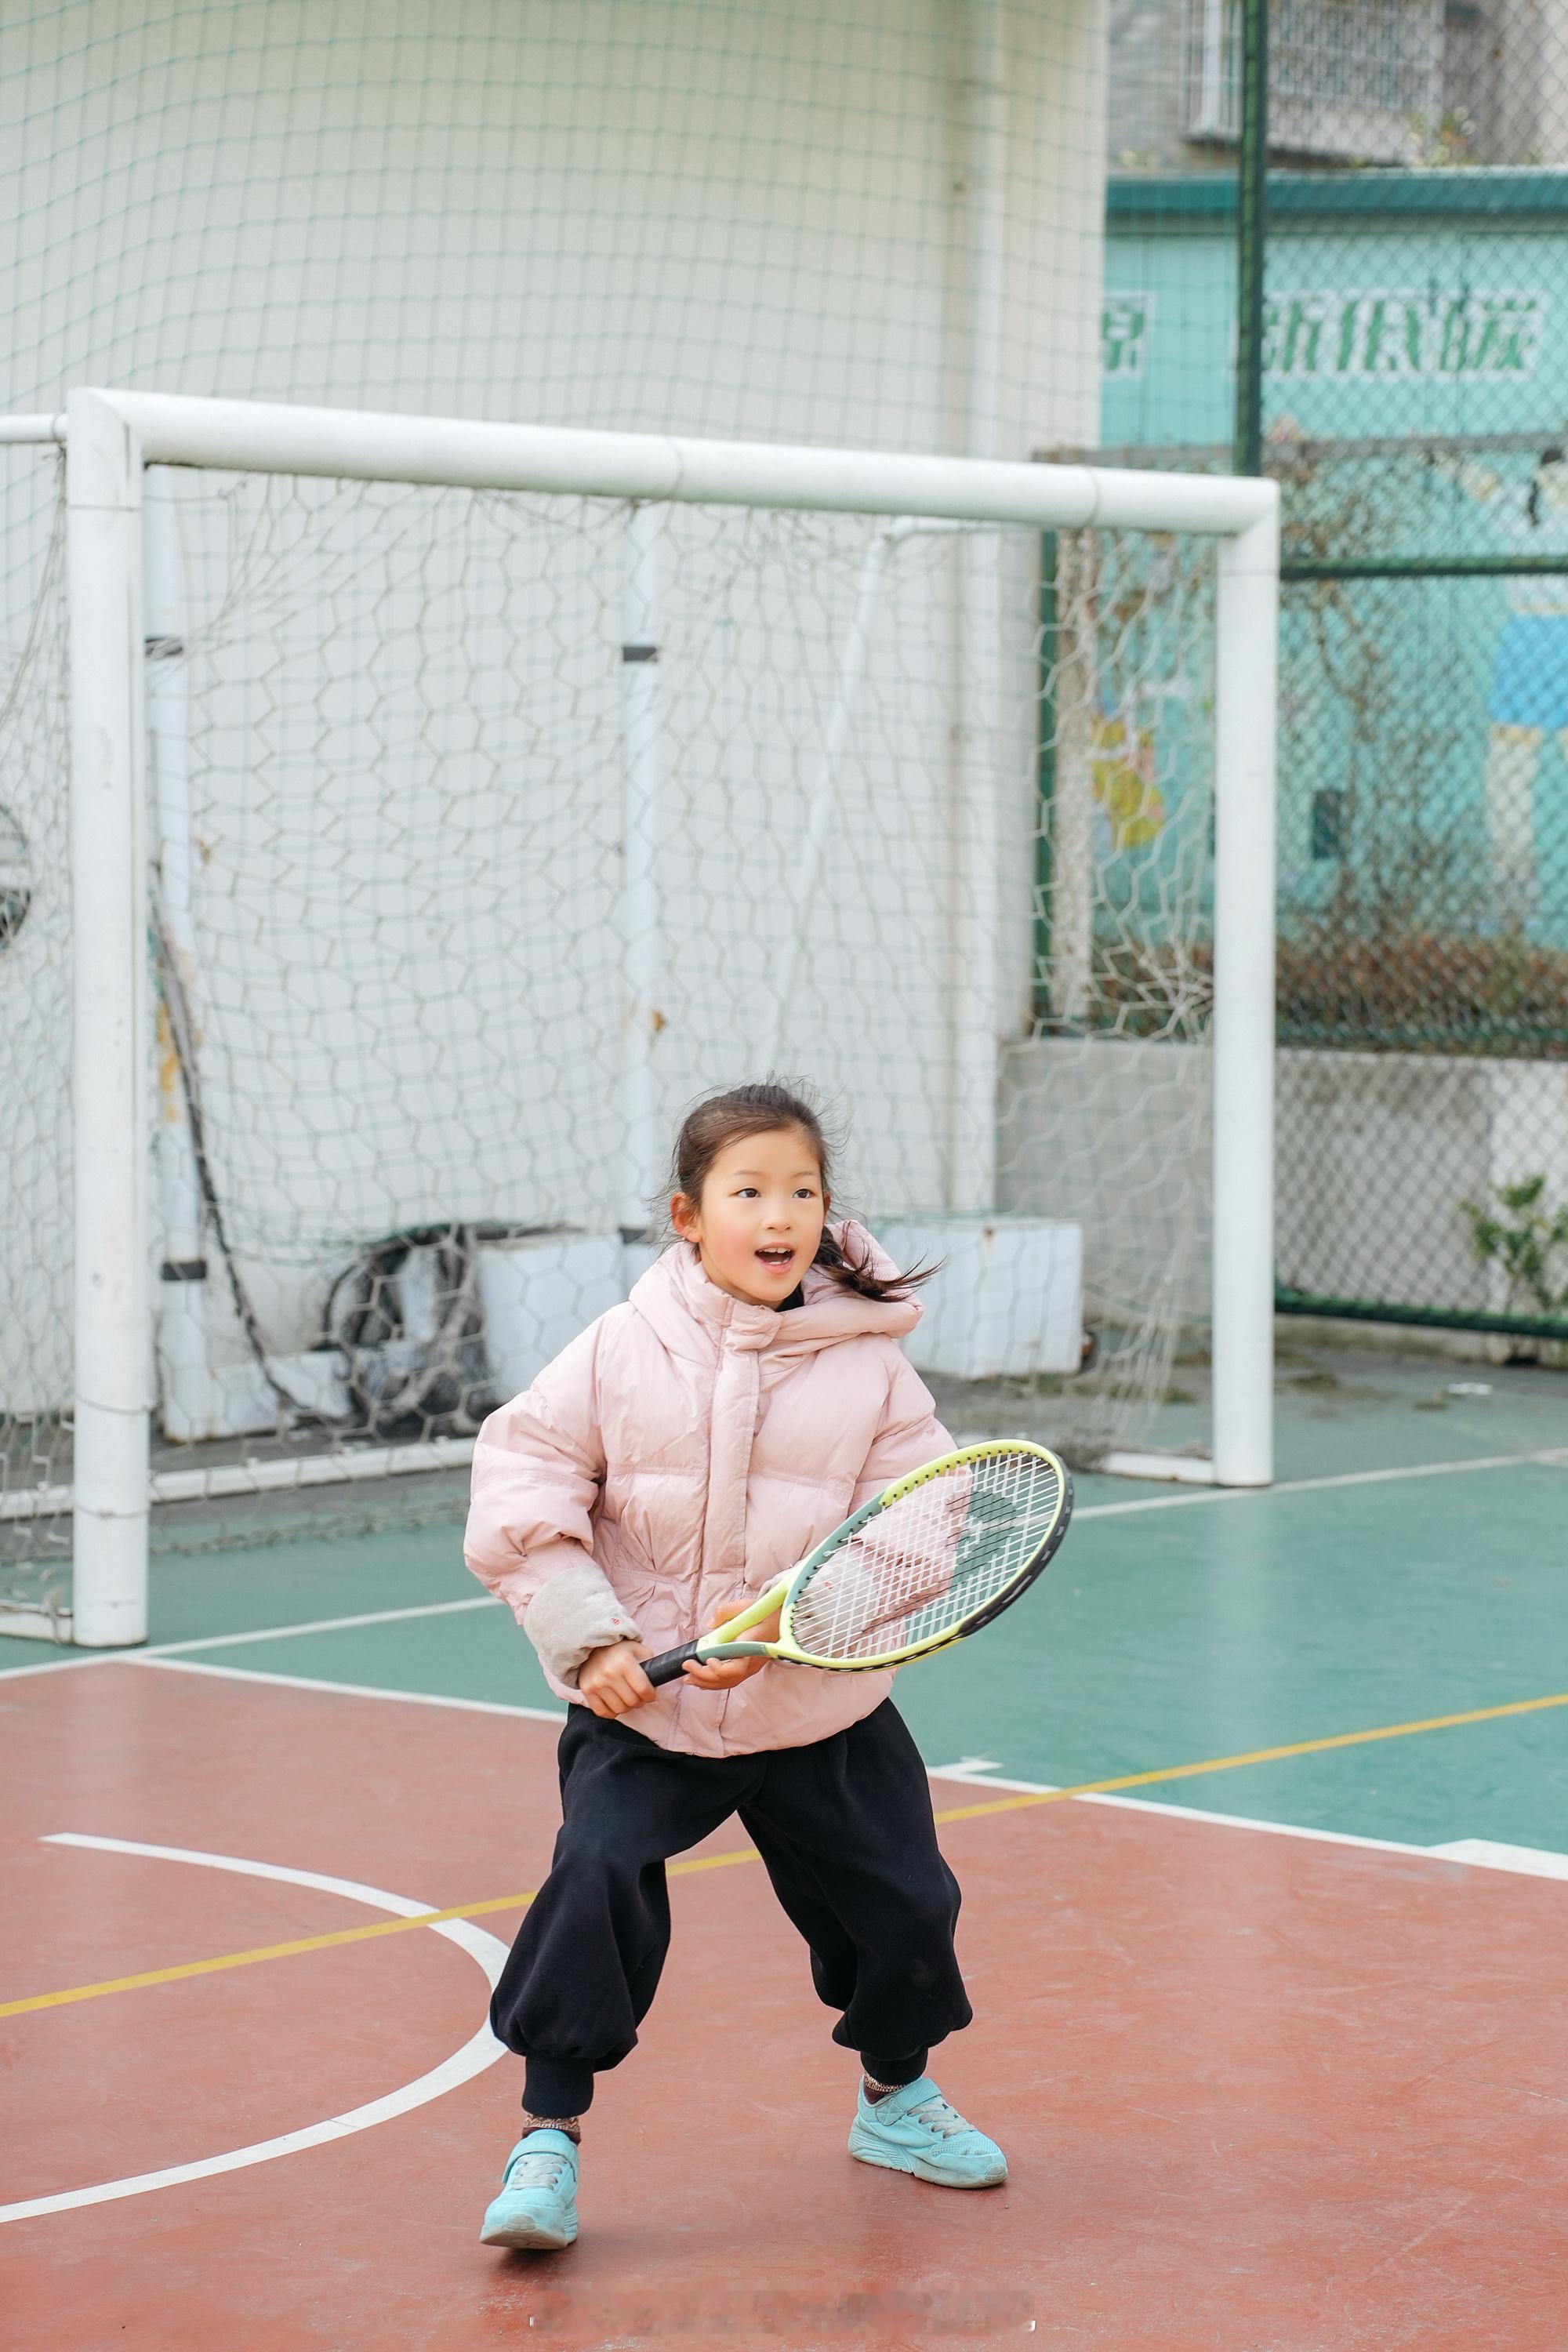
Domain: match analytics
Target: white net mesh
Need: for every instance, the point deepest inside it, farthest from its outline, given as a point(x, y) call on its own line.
point(938, 1557)
point(410, 778)
point(490, 830)
point(35, 1080)
point(1104, 1112)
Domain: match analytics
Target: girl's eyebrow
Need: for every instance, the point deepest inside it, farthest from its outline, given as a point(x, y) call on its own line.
point(750, 1175)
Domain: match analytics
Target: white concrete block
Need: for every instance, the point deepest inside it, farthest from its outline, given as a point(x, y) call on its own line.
point(1008, 1300)
point(537, 1294)
point(243, 1405)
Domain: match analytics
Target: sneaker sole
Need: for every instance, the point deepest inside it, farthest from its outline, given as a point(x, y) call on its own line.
point(528, 2238)
point(919, 2171)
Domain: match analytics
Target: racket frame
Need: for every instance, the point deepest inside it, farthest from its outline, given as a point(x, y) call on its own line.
point(724, 1642)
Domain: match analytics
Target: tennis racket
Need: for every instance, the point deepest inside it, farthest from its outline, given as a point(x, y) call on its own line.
point(930, 1560)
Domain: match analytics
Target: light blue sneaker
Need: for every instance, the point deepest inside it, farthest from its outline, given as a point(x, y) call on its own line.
point(914, 2130)
point(537, 2207)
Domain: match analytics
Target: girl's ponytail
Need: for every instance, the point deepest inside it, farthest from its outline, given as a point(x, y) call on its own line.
point(860, 1278)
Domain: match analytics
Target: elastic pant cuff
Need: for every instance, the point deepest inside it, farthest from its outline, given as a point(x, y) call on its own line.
point(557, 2086)
point(894, 2072)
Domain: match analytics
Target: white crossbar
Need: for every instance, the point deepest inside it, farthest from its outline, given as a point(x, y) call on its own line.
point(257, 436)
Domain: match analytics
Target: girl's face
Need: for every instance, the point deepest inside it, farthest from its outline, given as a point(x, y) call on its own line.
point(760, 1219)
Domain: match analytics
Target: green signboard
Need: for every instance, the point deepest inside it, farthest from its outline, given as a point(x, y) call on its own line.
point(1397, 303)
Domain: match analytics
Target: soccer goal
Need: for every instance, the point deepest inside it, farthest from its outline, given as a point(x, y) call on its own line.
point(448, 803)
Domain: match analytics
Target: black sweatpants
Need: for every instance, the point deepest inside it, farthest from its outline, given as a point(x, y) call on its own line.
point(845, 1829)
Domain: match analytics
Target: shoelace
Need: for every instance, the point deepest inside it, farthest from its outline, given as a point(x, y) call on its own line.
point(938, 2116)
point(535, 2167)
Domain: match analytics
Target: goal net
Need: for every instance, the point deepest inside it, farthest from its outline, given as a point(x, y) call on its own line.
point(486, 828)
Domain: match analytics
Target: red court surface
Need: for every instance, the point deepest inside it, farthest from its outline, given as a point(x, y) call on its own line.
point(1260, 2093)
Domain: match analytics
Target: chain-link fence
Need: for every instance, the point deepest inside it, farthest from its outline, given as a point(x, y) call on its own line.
point(1406, 311)
point(1424, 874)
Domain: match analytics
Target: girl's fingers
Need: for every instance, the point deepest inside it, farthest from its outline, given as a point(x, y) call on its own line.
point(615, 1681)
point(713, 1677)
point(630, 1688)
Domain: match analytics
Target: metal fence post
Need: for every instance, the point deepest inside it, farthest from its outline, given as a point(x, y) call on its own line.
point(1251, 241)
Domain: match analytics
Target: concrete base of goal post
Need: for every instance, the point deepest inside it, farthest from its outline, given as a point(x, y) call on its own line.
point(113, 1356)
point(1242, 1305)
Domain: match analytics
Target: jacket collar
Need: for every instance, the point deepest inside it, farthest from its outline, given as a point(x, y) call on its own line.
point(694, 1317)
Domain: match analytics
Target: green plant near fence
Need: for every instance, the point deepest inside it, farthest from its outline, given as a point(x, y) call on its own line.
point(1528, 1241)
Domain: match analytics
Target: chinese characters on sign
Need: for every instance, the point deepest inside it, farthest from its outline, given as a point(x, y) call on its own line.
point(1124, 334)
point(1402, 332)
point(1359, 336)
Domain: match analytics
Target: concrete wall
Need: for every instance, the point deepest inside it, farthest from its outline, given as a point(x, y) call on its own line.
point(1502, 76)
point(1377, 1151)
point(1376, 1154)
point(735, 219)
point(1148, 111)
point(1113, 1134)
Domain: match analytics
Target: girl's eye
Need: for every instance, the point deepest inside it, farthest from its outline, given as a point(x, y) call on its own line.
point(747, 1192)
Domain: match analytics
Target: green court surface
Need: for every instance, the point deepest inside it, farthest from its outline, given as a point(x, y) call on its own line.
point(1374, 1586)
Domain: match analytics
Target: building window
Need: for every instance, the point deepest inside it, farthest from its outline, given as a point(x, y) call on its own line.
point(1328, 825)
point(1354, 81)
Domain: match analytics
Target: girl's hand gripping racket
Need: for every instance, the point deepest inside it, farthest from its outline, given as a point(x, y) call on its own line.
point(932, 1559)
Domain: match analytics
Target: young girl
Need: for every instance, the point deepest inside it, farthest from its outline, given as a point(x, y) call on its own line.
point(691, 1447)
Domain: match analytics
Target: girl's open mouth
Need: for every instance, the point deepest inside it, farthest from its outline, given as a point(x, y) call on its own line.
point(777, 1260)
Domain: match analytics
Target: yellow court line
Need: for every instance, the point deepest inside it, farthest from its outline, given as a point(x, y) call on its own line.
point(1254, 1756)
point(1017, 1802)
point(363, 1935)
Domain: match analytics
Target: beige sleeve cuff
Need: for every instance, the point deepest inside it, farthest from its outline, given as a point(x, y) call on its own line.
point(574, 1613)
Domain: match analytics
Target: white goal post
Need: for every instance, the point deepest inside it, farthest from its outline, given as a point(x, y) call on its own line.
point(111, 438)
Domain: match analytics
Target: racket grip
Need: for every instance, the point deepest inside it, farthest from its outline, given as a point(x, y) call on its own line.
point(666, 1668)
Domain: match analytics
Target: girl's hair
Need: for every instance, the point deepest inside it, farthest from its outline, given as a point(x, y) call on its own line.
point(758, 1110)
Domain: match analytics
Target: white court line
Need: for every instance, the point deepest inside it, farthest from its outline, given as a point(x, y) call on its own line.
point(971, 1771)
point(1552, 1453)
point(1526, 1860)
point(318, 1625)
point(1558, 1454)
point(347, 1690)
point(1486, 1854)
point(481, 2051)
point(262, 1634)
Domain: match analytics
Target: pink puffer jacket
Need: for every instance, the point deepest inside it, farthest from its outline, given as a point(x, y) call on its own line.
point(676, 1458)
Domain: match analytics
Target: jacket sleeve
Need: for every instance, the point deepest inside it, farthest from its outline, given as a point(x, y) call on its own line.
point(907, 1434)
point(539, 1465)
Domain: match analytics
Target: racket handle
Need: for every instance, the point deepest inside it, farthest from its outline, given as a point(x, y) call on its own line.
point(666, 1668)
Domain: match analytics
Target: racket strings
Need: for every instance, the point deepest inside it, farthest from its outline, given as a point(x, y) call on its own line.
point(930, 1561)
